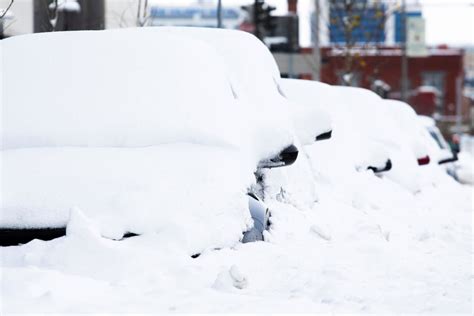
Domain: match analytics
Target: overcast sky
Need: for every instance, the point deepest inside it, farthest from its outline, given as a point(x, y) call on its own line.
point(447, 21)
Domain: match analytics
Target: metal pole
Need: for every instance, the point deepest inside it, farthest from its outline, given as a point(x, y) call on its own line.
point(255, 19)
point(219, 14)
point(316, 48)
point(291, 72)
point(458, 104)
point(139, 10)
point(404, 70)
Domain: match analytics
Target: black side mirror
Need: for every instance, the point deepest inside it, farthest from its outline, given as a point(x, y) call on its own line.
point(386, 167)
point(452, 159)
point(324, 136)
point(285, 158)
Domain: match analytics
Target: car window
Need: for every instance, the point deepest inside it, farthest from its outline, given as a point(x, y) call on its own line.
point(436, 138)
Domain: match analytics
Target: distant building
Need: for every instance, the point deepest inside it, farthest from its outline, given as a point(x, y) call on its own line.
point(380, 22)
point(369, 18)
point(195, 16)
point(433, 80)
point(399, 32)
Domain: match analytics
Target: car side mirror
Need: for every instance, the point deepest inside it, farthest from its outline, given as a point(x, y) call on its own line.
point(285, 158)
point(324, 136)
point(450, 159)
point(386, 167)
point(311, 124)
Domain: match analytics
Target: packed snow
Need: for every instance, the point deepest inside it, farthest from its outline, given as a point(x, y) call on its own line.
point(141, 147)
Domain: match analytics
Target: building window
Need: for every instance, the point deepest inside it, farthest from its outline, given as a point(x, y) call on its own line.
point(437, 80)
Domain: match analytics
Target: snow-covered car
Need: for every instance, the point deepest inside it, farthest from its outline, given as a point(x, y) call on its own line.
point(376, 134)
point(255, 78)
point(141, 135)
point(440, 149)
point(351, 130)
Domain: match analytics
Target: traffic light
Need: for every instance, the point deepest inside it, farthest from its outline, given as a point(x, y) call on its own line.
point(269, 21)
point(264, 22)
point(260, 16)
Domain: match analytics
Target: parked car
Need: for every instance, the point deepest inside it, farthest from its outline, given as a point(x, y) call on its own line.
point(366, 153)
point(440, 148)
point(122, 134)
point(255, 78)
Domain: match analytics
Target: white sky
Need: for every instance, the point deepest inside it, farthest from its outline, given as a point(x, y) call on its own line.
point(447, 21)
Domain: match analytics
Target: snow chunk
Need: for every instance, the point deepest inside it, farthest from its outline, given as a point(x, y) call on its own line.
point(81, 226)
point(230, 279)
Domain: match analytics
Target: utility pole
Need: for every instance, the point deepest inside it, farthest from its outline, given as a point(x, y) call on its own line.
point(256, 18)
point(219, 14)
point(404, 70)
point(142, 12)
point(458, 104)
point(316, 48)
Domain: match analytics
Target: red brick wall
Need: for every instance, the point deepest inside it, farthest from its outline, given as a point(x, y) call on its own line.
point(388, 68)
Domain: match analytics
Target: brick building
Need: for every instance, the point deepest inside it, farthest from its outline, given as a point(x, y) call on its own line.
point(441, 73)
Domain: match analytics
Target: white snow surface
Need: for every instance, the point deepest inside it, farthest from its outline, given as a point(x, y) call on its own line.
point(342, 240)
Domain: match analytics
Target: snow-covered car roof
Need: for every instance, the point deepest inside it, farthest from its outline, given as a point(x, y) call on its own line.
point(115, 88)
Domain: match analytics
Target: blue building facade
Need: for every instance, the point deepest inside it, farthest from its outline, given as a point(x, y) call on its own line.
point(194, 16)
point(399, 30)
point(370, 27)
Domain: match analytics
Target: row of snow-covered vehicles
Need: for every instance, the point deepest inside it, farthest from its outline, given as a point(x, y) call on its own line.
point(179, 131)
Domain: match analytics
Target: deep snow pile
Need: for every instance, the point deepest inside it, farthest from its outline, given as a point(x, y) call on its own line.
point(341, 239)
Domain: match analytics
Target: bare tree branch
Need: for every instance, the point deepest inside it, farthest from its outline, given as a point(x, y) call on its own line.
point(53, 18)
point(142, 13)
point(4, 12)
